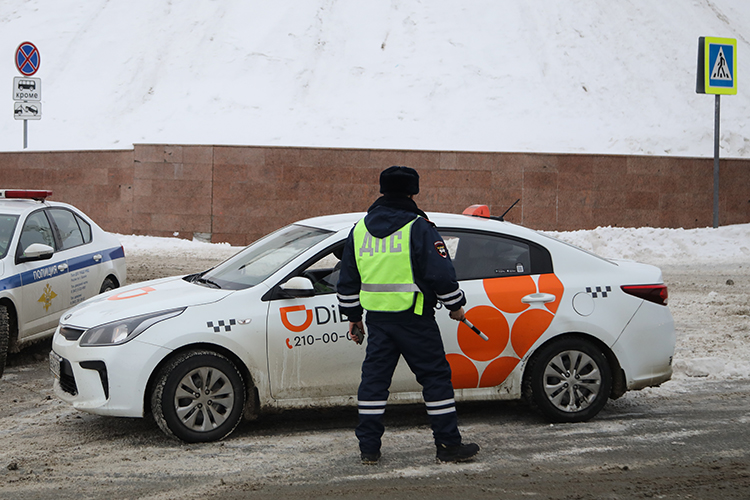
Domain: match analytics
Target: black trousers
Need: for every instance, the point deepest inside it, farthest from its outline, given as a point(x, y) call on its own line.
point(420, 344)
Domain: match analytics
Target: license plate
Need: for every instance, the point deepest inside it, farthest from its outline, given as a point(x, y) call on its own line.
point(54, 363)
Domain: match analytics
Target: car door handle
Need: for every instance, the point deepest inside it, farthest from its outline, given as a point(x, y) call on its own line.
point(538, 298)
point(97, 257)
point(62, 267)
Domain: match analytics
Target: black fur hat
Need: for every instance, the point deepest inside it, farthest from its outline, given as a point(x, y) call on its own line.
point(399, 180)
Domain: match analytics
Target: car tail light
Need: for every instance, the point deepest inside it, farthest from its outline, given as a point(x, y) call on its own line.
point(653, 293)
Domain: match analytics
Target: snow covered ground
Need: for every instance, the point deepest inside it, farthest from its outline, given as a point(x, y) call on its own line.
point(707, 271)
point(592, 76)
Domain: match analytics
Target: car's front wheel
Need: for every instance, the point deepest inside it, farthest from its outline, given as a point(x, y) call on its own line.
point(570, 380)
point(198, 396)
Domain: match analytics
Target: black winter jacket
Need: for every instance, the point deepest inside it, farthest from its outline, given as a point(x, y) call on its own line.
point(431, 264)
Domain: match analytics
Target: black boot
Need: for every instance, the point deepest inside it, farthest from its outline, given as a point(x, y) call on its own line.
point(370, 458)
point(458, 453)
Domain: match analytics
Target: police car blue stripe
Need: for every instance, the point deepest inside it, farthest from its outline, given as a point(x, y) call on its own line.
point(51, 270)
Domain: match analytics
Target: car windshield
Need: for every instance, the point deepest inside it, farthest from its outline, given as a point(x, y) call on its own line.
point(7, 226)
point(263, 258)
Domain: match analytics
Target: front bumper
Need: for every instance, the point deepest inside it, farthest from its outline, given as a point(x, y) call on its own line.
point(109, 380)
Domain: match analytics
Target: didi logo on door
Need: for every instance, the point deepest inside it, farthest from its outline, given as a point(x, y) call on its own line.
point(294, 312)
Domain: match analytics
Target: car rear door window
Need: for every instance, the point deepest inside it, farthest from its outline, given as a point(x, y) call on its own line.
point(67, 224)
point(482, 255)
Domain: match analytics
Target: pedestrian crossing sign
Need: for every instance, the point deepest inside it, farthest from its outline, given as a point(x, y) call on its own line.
point(717, 66)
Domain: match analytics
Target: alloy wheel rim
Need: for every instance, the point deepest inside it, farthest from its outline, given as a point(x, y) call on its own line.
point(572, 381)
point(204, 399)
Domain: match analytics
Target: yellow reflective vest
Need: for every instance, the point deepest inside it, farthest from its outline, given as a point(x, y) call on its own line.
point(385, 270)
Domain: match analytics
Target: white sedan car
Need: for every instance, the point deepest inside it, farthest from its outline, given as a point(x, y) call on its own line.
point(566, 329)
point(52, 257)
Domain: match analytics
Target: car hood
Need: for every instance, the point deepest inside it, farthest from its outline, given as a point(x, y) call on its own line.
point(141, 298)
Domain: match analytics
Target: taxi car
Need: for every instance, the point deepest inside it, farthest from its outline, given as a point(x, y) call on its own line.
point(52, 257)
point(565, 329)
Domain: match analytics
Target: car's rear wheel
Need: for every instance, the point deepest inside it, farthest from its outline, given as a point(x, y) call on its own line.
point(198, 396)
point(4, 337)
point(570, 380)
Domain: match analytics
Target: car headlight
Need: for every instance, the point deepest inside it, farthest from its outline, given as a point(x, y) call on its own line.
point(121, 331)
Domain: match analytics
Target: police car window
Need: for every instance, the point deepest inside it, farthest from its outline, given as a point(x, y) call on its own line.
point(482, 256)
point(264, 257)
point(85, 228)
point(70, 232)
point(36, 229)
point(7, 227)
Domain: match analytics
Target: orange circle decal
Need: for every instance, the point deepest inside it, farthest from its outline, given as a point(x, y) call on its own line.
point(527, 328)
point(506, 293)
point(497, 371)
point(549, 283)
point(493, 324)
point(464, 374)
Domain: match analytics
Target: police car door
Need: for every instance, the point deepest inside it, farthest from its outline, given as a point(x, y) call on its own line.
point(309, 351)
point(85, 273)
point(45, 284)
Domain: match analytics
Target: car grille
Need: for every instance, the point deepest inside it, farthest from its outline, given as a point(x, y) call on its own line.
point(71, 333)
point(67, 380)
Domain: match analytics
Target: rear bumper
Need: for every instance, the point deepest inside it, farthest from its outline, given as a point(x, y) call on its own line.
point(646, 346)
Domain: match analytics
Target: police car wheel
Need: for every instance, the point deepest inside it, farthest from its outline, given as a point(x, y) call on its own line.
point(199, 396)
point(107, 285)
point(4, 337)
point(570, 380)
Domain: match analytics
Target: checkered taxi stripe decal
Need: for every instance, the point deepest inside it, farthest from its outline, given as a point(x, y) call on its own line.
point(226, 325)
point(598, 291)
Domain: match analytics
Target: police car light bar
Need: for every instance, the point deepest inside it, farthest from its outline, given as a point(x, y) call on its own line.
point(28, 194)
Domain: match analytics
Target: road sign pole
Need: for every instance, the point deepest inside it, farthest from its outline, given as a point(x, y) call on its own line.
point(25, 134)
point(717, 121)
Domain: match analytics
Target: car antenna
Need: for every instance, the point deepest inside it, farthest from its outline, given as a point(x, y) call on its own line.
point(502, 217)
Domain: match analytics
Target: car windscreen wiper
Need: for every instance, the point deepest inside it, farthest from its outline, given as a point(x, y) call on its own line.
point(207, 282)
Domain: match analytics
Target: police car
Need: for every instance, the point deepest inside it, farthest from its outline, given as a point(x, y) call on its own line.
point(562, 327)
point(52, 257)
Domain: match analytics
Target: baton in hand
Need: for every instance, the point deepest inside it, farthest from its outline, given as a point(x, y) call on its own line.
point(475, 329)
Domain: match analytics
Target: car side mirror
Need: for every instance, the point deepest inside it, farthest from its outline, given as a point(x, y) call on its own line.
point(36, 251)
point(298, 286)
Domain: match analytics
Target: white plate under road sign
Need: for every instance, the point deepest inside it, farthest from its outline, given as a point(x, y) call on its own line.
point(27, 110)
point(27, 89)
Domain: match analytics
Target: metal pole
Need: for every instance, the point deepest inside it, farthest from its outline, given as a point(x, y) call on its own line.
point(717, 109)
point(25, 134)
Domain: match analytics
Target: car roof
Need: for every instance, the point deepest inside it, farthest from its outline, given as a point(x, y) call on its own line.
point(20, 206)
point(341, 222)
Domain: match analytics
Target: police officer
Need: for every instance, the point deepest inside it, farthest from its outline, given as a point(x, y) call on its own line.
point(396, 267)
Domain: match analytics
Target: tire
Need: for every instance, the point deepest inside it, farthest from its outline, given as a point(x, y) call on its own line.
point(199, 396)
point(4, 337)
point(570, 380)
point(107, 285)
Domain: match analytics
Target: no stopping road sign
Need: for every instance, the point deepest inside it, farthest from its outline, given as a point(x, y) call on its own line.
point(27, 59)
